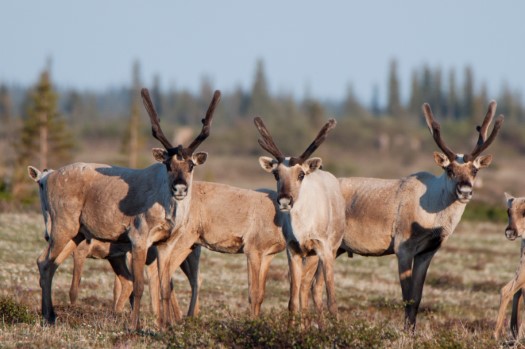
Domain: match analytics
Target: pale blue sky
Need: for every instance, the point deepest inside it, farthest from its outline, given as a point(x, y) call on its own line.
point(324, 45)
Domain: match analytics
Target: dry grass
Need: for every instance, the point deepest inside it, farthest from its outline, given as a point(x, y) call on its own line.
point(458, 309)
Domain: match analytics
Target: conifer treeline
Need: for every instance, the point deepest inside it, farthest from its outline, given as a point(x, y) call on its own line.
point(40, 118)
point(453, 94)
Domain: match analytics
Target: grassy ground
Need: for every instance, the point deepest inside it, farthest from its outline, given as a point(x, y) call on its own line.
point(458, 310)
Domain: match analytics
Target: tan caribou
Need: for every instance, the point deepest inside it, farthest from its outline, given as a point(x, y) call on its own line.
point(116, 254)
point(232, 220)
point(513, 289)
point(413, 216)
point(115, 204)
point(312, 206)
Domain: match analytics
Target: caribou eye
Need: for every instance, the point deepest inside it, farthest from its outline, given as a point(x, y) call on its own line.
point(450, 173)
point(276, 175)
point(474, 171)
point(301, 176)
point(191, 165)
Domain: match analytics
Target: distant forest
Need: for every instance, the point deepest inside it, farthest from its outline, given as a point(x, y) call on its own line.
point(44, 123)
point(448, 98)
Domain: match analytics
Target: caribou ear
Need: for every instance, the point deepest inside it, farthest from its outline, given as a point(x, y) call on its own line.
point(160, 154)
point(312, 164)
point(199, 158)
point(483, 161)
point(441, 159)
point(268, 164)
point(508, 198)
point(34, 173)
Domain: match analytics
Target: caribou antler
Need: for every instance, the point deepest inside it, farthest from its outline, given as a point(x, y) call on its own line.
point(484, 142)
point(267, 142)
point(321, 136)
point(156, 130)
point(435, 130)
point(206, 123)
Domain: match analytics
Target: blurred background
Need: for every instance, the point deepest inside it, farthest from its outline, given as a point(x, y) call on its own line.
point(70, 76)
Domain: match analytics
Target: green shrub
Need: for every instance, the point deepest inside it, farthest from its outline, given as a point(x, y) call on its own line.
point(273, 331)
point(482, 211)
point(12, 312)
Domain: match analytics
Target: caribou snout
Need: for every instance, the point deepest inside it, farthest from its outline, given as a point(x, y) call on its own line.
point(464, 192)
point(511, 234)
point(179, 191)
point(285, 203)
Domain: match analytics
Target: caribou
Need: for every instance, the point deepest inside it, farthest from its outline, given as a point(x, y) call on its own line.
point(232, 220)
point(312, 206)
point(116, 254)
point(142, 207)
point(513, 289)
point(413, 216)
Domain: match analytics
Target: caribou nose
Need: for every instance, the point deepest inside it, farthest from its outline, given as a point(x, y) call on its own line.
point(510, 234)
point(180, 191)
point(285, 203)
point(464, 192)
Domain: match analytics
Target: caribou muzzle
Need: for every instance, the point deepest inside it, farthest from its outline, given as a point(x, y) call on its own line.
point(285, 203)
point(464, 192)
point(511, 233)
point(179, 191)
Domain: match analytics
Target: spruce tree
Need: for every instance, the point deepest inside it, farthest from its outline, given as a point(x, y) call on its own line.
point(468, 94)
point(394, 100)
point(5, 105)
point(351, 105)
point(452, 96)
point(260, 102)
point(44, 139)
point(132, 137)
point(416, 100)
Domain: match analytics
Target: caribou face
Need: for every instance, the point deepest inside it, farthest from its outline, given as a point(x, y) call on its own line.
point(516, 214)
point(461, 174)
point(180, 170)
point(289, 176)
point(461, 169)
point(179, 160)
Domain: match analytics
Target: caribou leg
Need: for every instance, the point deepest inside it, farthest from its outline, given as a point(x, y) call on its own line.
point(265, 265)
point(515, 317)
point(507, 292)
point(138, 252)
point(190, 267)
point(163, 262)
point(177, 258)
point(310, 268)
point(317, 290)
point(419, 273)
point(326, 258)
point(254, 266)
point(79, 258)
point(295, 262)
point(404, 261)
point(58, 249)
point(124, 280)
point(258, 266)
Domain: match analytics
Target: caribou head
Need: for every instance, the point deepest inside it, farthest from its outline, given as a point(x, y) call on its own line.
point(290, 172)
point(516, 214)
point(461, 169)
point(179, 160)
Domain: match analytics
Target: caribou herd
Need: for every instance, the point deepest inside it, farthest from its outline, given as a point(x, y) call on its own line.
point(152, 221)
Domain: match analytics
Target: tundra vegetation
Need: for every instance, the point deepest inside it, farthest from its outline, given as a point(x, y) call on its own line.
point(458, 310)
